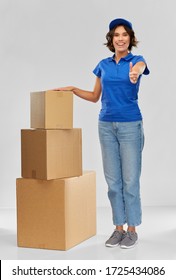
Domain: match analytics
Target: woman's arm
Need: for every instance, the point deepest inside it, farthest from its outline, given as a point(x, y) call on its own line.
point(87, 95)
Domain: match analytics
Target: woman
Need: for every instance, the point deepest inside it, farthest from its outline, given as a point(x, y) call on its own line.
point(120, 128)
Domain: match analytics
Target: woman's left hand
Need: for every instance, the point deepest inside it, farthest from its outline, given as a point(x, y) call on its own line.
point(133, 75)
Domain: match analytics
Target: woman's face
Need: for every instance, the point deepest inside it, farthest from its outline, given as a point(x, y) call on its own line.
point(121, 40)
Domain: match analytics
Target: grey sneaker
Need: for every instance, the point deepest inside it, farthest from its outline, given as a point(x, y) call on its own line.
point(129, 241)
point(115, 238)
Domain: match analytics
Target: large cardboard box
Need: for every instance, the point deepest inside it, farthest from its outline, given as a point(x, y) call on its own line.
point(52, 109)
point(51, 154)
point(56, 214)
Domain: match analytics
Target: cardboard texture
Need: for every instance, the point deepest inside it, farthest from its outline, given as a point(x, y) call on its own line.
point(51, 109)
point(56, 214)
point(51, 154)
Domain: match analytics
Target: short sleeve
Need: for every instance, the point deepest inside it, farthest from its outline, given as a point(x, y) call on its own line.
point(97, 71)
point(146, 70)
point(141, 58)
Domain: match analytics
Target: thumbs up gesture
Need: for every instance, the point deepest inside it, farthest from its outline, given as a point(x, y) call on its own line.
point(133, 75)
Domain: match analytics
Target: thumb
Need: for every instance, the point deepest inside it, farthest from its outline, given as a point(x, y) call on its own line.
point(131, 66)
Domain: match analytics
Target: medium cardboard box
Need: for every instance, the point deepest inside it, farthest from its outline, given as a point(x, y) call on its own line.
point(51, 109)
point(51, 153)
point(56, 214)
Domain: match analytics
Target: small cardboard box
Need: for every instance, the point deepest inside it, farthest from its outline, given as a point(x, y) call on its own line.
point(56, 214)
point(51, 109)
point(51, 154)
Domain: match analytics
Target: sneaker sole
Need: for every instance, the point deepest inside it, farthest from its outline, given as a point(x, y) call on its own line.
point(112, 246)
point(129, 247)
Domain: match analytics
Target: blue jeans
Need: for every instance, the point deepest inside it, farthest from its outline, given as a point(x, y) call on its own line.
point(121, 145)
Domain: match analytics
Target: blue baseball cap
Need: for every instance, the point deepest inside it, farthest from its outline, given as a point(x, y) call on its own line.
point(119, 21)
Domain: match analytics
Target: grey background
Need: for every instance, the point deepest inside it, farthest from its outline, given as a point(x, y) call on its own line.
point(51, 43)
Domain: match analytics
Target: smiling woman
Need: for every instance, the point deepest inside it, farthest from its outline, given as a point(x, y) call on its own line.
point(126, 32)
point(120, 128)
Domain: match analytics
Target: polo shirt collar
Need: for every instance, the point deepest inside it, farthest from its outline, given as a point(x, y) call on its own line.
point(127, 57)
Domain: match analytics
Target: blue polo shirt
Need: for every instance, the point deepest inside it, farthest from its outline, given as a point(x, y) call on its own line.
point(119, 96)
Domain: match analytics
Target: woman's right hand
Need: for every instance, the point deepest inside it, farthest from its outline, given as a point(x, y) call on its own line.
point(85, 94)
point(69, 88)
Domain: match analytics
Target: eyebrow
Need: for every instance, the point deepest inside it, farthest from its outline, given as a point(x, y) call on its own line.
point(124, 33)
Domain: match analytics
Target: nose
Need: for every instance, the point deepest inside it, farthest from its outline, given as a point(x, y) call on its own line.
point(120, 37)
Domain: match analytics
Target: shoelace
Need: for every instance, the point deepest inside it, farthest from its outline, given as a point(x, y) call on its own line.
point(129, 234)
point(116, 232)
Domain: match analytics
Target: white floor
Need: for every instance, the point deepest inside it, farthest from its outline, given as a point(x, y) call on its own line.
point(157, 239)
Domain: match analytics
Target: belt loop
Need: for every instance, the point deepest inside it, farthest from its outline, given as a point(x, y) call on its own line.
point(115, 124)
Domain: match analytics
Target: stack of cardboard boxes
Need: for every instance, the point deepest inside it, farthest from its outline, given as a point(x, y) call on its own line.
point(56, 200)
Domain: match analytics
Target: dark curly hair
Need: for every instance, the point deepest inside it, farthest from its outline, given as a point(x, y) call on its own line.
point(110, 35)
